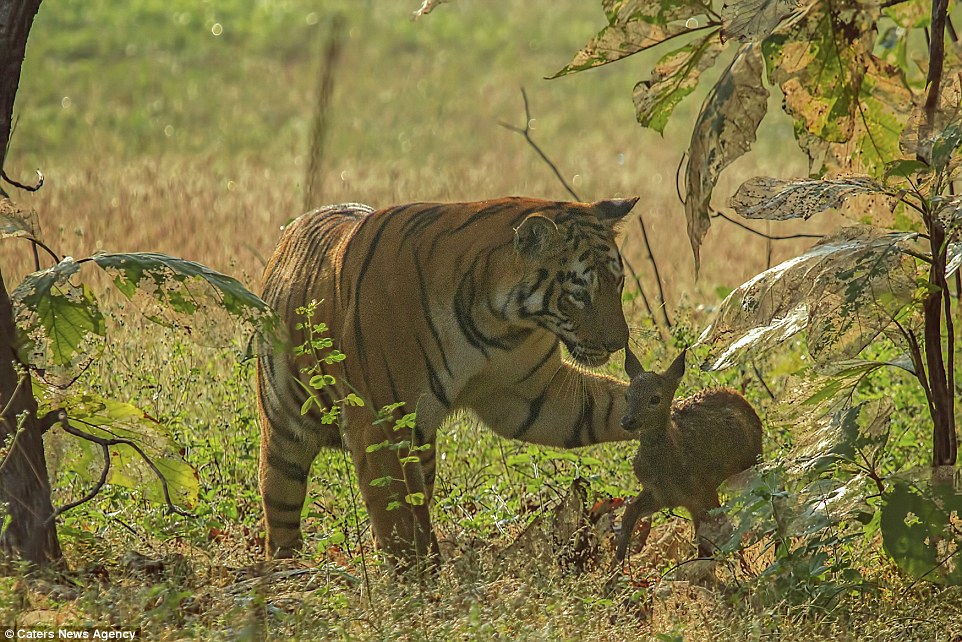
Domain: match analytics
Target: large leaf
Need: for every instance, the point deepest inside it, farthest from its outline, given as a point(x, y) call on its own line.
point(724, 131)
point(109, 419)
point(672, 79)
point(60, 322)
point(921, 525)
point(172, 290)
point(753, 20)
point(843, 292)
point(849, 107)
point(862, 429)
point(637, 25)
point(775, 199)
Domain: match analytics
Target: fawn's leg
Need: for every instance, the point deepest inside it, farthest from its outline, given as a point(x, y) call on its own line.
point(699, 516)
point(643, 505)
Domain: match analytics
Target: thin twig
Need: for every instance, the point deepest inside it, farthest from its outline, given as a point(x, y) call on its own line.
point(787, 237)
point(120, 441)
point(761, 380)
point(634, 276)
point(325, 89)
point(526, 132)
point(93, 491)
point(915, 353)
point(654, 266)
point(3, 413)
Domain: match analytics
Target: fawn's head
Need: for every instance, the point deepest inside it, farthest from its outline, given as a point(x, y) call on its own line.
point(650, 394)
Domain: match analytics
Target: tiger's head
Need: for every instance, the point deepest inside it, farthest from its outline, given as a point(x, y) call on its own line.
point(572, 278)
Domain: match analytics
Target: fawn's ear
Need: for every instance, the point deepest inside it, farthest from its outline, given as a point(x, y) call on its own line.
point(677, 369)
point(633, 367)
point(537, 237)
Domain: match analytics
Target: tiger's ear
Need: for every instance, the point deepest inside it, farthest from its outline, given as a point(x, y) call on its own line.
point(613, 210)
point(536, 237)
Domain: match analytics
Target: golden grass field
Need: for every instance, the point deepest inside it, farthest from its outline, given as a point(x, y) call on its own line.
point(183, 127)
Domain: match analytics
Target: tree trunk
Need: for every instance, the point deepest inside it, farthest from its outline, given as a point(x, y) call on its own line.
point(30, 531)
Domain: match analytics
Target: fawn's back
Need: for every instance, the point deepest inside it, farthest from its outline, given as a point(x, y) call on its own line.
point(708, 437)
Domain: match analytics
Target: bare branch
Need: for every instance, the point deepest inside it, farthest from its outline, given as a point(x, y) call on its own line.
point(118, 441)
point(634, 276)
point(526, 132)
point(24, 187)
point(654, 266)
point(787, 237)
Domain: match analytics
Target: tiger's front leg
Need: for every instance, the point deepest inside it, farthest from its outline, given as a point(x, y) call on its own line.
point(395, 493)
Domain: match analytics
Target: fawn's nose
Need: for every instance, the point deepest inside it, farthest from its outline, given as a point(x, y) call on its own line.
point(628, 423)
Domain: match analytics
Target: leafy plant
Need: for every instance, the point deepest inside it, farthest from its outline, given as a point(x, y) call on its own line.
point(879, 137)
point(62, 331)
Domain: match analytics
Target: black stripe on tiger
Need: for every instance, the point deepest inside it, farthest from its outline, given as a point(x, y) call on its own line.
point(434, 382)
point(283, 523)
point(286, 468)
point(534, 411)
point(429, 317)
point(281, 505)
point(586, 416)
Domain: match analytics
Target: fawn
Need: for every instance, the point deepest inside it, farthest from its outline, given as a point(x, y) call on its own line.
point(686, 448)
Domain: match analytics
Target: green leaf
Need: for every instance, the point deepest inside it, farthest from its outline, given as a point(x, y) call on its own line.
point(775, 199)
point(863, 428)
point(110, 419)
point(944, 145)
point(919, 526)
point(173, 290)
point(849, 107)
point(673, 78)
point(378, 446)
point(60, 323)
point(724, 131)
point(843, 292)
point(905, 168)
point(637, 25)
point(414, 499)
point(380, 482)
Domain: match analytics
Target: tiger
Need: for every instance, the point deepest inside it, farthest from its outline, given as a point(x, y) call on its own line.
point(438, 308)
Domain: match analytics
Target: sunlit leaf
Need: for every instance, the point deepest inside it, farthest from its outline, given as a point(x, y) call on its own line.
point(862, 429)
point(953, 258)
point(849, 106)
point(673, 78)
point(171, 290)
point(753, 20)
point(843, 292)
point(60, 322)
point(637, 25)
point(922, 524)
point(724, 131)
point(775, 199)
point(110, 419)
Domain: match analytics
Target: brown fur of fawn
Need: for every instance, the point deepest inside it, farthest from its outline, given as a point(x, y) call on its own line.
point(687, 448)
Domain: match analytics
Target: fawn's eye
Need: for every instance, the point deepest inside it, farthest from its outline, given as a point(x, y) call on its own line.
point(655, 400)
